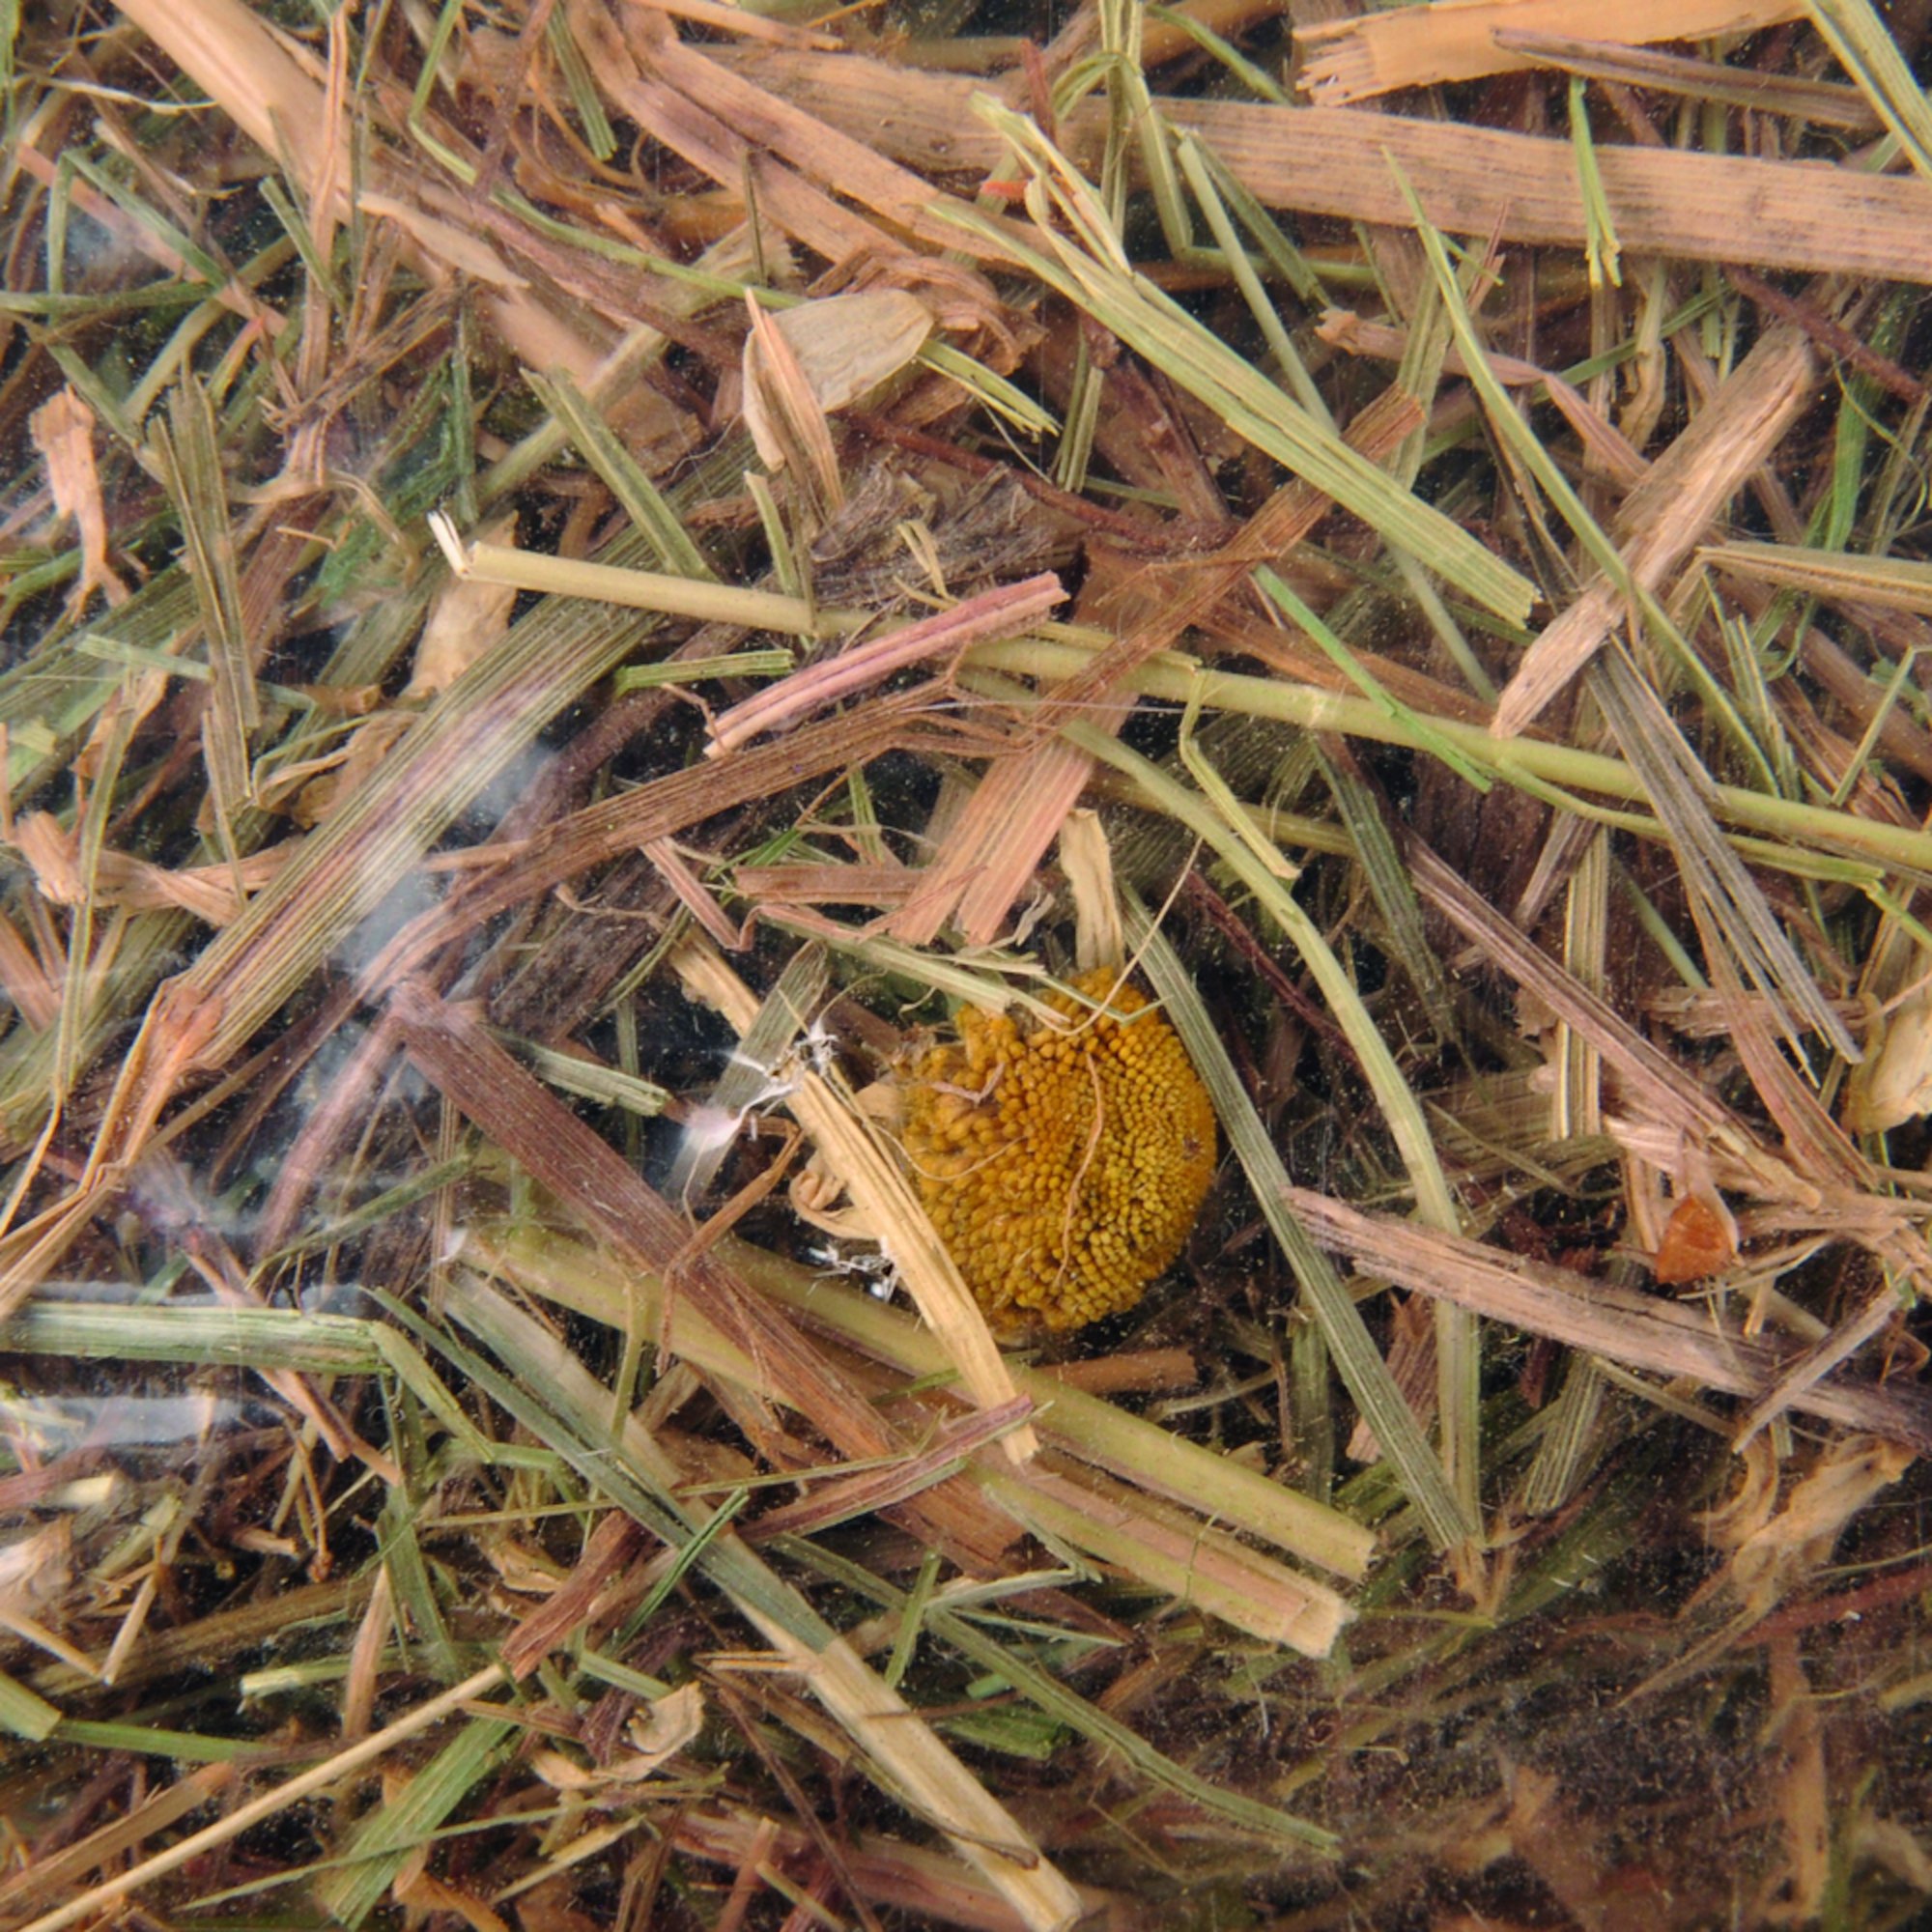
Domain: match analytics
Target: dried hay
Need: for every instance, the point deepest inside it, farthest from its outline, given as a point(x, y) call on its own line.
point(570, 566)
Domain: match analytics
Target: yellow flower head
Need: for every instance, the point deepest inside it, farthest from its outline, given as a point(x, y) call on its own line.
point(1062, 1167)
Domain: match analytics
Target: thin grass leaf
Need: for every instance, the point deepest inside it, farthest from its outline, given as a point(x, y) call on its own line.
point(1276, 248)
point(390, 1836)
point(687, 1556)
point(1044, 1690)
point(912, 1619)
point(1216, 789)
point(1418, 729)
point(776, 662)
point(1209, 42)
point(189, 459)
point(1085, 390)
point(1309, 1369)
point(80, 988)
point(1601, 252)
point(1890, 583)
point(170, 242)
point(1866, 50)
point(1359, 1362)
point(411, 1591)
point(584, 100)
point(639, 498)
point(1571, 1428)
point(1134, 114)
point(1577, 1107)
point(1205, 189)
point(1680, 789)
point(1389, 883)
point(296, 223)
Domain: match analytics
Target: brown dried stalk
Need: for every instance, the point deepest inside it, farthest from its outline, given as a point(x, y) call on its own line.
point(1667, 514)
point(854, 168)
point(928, 1888)
point(660, 809)
point(1005, 611)
point(806, 884)
point(1635, 1329)
point(1456, 40)
point(1827, 334)
point(1832, 104)
point(1471, 181)
point(230, 51)
point(614, 1545)
point(1666, 1090)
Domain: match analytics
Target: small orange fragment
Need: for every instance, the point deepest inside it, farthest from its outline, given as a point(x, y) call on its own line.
point(1698, 1239)
point(1063, 1167)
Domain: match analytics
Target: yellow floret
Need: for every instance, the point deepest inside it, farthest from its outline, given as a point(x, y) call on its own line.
point(1063, 1170)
